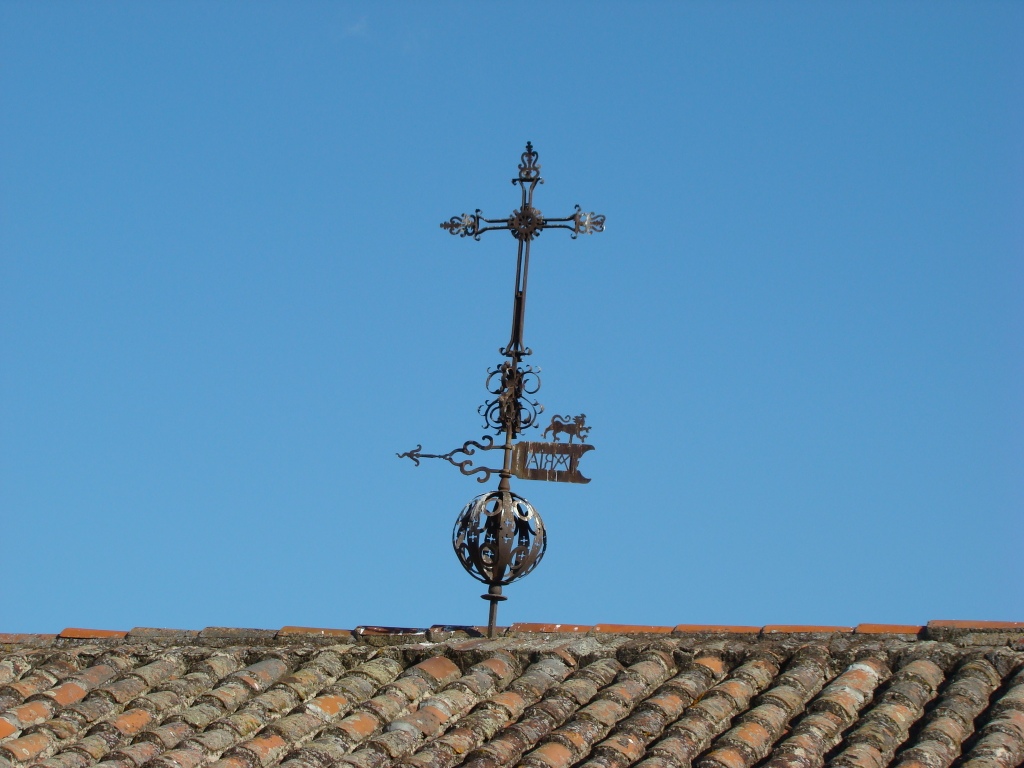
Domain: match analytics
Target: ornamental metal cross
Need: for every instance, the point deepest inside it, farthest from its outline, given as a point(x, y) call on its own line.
point(499, 537)
point(525, 224)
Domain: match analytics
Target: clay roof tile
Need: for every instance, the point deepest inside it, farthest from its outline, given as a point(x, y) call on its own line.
point(536, 696)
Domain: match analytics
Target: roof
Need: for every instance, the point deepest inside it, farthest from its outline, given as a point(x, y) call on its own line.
point(537, 696)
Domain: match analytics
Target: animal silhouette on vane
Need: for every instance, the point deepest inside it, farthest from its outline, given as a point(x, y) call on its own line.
point(570, 425)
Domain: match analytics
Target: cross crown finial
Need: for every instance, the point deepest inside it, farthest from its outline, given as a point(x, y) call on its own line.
point(529, 169)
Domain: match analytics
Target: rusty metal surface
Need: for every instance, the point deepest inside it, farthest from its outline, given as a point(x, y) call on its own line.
point(499, 536)
point(526, 223)
point(573, 426)
point(555, 462)
point(512, 410)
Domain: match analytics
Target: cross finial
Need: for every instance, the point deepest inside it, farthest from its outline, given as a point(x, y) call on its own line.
point(525, 223)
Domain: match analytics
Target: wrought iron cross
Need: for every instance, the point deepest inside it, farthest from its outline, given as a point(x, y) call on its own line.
point(525, 224)
point(499, 537)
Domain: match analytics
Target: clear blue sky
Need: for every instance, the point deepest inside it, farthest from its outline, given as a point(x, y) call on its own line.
point(225, 304)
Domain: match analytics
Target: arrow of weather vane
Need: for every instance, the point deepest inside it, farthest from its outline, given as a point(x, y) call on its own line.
point(499, 537)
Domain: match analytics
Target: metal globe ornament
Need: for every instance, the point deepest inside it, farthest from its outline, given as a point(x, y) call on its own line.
point(499, 538)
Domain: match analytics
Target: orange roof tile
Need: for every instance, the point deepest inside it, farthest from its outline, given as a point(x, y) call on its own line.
point(717, 628)
point(631, 629)
point(90, 634)
point(888, 629)
point(794, 628)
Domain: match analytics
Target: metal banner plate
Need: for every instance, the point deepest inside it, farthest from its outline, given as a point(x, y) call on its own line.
point(556, 462)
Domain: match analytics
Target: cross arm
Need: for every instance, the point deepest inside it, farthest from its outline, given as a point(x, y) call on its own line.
point(469, 224)
point(474, 224)
point(580, 223)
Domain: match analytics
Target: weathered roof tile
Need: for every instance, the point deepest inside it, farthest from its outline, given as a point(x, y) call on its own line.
point(541, 696)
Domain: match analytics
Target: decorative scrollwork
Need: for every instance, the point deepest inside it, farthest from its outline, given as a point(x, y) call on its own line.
point(466, 465)
point(526, 224)
point(499, 538)
point(512, 411)
point(586, 223)
point(529, 169)
point(466, 225)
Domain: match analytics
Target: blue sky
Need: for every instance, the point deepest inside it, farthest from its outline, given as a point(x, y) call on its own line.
point(225, 304)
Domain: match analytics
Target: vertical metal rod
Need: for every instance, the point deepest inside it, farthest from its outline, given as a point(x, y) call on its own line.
point(515, 344)
point(495, 597)
point(492, 618)
point(506, 468)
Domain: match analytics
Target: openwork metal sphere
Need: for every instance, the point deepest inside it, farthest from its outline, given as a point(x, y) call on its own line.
point(499, 538)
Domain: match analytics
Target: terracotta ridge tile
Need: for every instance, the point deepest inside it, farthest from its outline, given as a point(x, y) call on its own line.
point(77, 633)
point(685, 629)
point(772, 629)
point(237, 633)
point(631, 629)
point(550, 628)
point(888, 629)
point(975, 632)
point(376, 631)
point(441, 633)
point(323, 631)
point(27, 638)
point(462, 628)
point(149, 633)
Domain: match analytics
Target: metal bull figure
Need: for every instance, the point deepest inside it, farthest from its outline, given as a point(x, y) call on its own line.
point(570, 425)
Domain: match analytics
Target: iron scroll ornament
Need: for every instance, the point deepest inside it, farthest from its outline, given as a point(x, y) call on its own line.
point(466, 465)
point(512, 410)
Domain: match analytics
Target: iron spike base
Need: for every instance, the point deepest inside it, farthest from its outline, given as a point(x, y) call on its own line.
point(495, 596)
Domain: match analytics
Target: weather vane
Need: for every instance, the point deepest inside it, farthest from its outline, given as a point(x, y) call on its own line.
point(499, 536)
